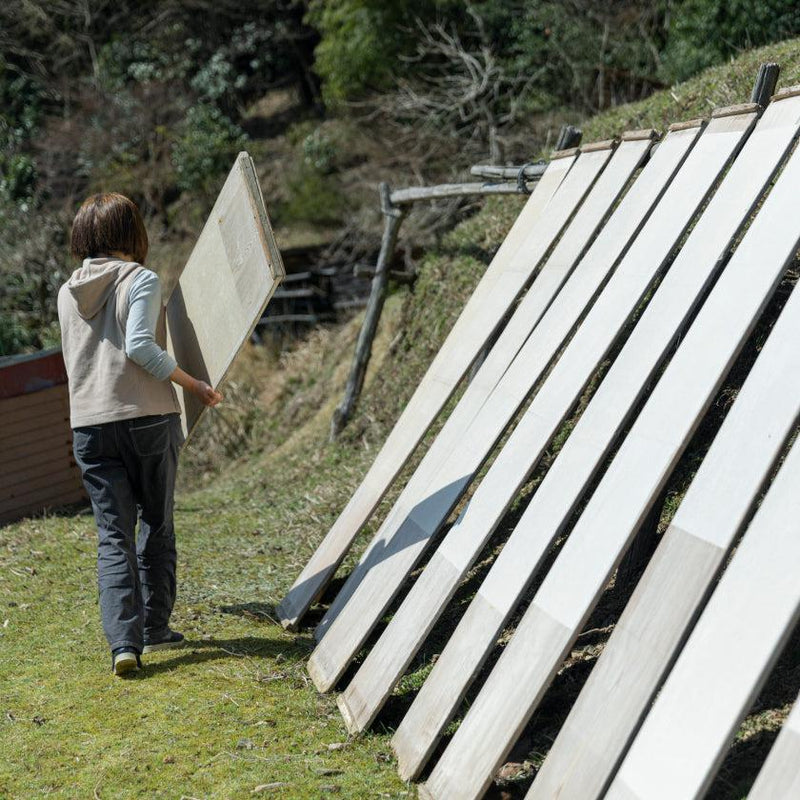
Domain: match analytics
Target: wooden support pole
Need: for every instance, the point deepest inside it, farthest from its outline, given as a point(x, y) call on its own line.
point(394, 206)
point(530, 172)
point(403, 197)
point(766, 81)
point(393, 218)
point(569, 136)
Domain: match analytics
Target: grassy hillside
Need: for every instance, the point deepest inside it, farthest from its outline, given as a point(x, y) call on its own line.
point(234, 715)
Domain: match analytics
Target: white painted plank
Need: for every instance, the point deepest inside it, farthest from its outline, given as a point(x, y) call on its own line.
point(622, 499)
point(589, 443)
point(401, 545)
point(716, 678)
point(681, 573)
point(587, 278)
point(385, 664)
point(530, 310)
point(512, 266)
point(779, 778)
point(225, 286)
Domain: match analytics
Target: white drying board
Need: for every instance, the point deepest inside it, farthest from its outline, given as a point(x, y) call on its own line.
point(541, 294)
point(693, 270)
point(485, 309)
point(405, 536)
point(385, 664)
point(621, 500)
point(779, 778)
point(225, 286)
point(522, 250)
point(681, 572)
point(741, 633)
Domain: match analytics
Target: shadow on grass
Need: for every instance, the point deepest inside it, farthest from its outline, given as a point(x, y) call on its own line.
point(203, 650)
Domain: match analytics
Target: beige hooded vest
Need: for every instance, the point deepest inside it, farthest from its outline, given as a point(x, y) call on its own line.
point(104, 384)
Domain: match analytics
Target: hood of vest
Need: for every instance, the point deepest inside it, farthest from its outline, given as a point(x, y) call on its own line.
point(93, 282)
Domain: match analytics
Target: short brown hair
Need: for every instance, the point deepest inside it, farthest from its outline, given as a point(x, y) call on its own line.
point(109, 223)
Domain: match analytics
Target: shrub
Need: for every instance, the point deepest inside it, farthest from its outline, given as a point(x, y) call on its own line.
point(705, 32)
point(313, 197)
point(205, 148)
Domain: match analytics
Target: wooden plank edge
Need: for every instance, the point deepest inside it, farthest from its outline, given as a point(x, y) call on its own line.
point(605, 144)
point(732, 111)
point(789, 91)
point(572, 151)
point(349, 720)
point(641, 133)
point(689, 123)
point(258, 207)
point(319, 677)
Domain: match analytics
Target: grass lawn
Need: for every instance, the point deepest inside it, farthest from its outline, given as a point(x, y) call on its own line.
point(230, 715)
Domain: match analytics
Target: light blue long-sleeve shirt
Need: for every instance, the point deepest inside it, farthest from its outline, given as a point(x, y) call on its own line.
point(144, 306)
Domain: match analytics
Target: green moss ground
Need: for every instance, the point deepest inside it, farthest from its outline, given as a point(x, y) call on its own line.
point(234, 714)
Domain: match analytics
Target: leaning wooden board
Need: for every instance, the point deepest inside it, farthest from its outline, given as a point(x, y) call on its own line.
point(221, 294)
point(741, 633)
point(534, 304)
point(779, 778)
point(681, 573)
point(622, 500)
point(553, 503)
point(400, 544)
point(387, 660)
point(522, 249)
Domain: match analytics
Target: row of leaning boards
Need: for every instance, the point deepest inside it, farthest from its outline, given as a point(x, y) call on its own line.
point(633, 281)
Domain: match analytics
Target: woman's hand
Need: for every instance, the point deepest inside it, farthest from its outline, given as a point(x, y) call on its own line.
point(207, 395)
point(204, 393)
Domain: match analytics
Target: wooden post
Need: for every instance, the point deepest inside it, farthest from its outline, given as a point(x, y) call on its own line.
point(394, 206)
point(569, 136)
point(393, 218)
point(766, 81)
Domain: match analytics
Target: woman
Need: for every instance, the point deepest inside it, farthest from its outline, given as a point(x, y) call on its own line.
point(126, 422)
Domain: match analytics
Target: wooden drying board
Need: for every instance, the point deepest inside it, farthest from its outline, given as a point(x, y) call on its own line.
point(538, 298)
point(521, 453)
point(553, 503)
point(491, 299)
point(371, 686)
point(737, 640)
point(405, 537)
point(622, 499)
point(673, 588)
point(225, 286)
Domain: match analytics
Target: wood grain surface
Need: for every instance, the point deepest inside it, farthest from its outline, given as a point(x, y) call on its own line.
point(556, 498)
point(388, 659)
point(225, 286)
point(752, 612)
point(779, 778)
point(511, 268)
point(623, 498)
point(399, 544)
point(671, 592)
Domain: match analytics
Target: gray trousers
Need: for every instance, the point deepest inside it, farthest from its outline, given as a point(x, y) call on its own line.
point(129, 471)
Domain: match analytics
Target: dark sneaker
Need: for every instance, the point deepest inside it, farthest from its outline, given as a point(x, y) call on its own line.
point(125, 661)
point(166, 642)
